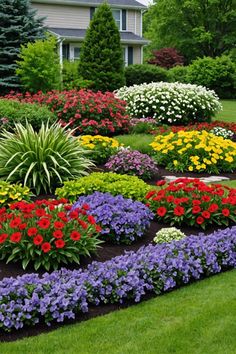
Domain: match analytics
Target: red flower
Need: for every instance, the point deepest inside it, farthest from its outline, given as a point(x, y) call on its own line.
point(98, 228)
point(22, 226)
point(213, 207)
point(91, 220)
point(226, 212)
point(85, 207)
point(178, 211)
point(161, 183)
point(206, 198)
point(170, 198)
point(74, 214)
point(196, 209)
point(59, 225)
point(46, 247)
point(75, 235)
point(38, 240)
point(200, 220)
point(58, 234)
point(15, 222)
point(44, 223)
point(161, 211)
point(40, 212)
point(83, 224)
point(3, 238)
point(59, 243)
point(196, 202)
point(32, 231)
point(15, 237)
point(61, 215)
point(206, 214)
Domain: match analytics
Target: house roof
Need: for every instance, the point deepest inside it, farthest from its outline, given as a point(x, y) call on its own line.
point(132, 4)
point(79, 34)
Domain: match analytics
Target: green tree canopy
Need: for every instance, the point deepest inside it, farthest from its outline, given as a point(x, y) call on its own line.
point(101, 56)
point(194, 27)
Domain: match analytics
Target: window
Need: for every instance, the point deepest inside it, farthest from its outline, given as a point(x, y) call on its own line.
point(117, 17)
point(75, 50)
point(120, 17)
point(125, 55)
point(76, 53)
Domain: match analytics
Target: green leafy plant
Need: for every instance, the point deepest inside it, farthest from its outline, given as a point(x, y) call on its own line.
point(12, 112)
point(178, 74)
point(71, 77)
point(41, 160)
point(144, 73)
point(13, 192)
point(168, 234)
point(114, 183)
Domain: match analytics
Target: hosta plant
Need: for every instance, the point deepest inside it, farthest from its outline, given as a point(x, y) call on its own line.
point(41, 160)
point(192, 202)
point(168, 234)
point(101, 147)
point(170, 103)
point(46, 233)
point(123, 221)
point(105, 182)
point(13, 192)
point(195, 151)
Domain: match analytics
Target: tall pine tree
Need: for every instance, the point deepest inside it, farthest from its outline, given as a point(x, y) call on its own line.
point(18, 25)
point(102, 56)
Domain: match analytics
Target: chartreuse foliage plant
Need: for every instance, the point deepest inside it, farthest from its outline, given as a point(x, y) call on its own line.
point(102, 147)
point(41, 160)
point(13, 192)
point(46, 233)
point(105, 182)
point(197, 151)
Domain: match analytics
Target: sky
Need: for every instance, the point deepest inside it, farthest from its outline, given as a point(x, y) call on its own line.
point(145, 2)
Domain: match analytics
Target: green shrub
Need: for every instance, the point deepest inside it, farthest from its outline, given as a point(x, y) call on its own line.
point(71, 78)
point(178, 74)
point(13, 193)
point(12, 112)
point(114, 183)
point(218, 74)
point(41, 160)
point(140, 73)
point(39, 67)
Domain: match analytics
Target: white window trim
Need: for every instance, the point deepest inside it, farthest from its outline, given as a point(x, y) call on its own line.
point(126, 55)
point(71, 51)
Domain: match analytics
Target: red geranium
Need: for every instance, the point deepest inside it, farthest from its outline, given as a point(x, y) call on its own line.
point(200, 220)
point(15, 237)
point(206, 214)
point(75, 236)
point(15, 223)
point(60, 243)
point(196, 209)
point(58, 234)
point(46, 247)
point(213, 207)
point(32, 231)
point(3, 238)
point(226, 212)
point(179, 211)
point(161, 211)
point(59, 225)
point(38, 240)
point(44, 223)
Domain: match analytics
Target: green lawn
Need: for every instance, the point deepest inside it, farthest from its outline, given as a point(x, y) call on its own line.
point(196, 319)
point(229, 183)
point(138, 142)
point(229, 111)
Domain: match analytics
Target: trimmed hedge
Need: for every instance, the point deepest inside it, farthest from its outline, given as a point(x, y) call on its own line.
point(140, 73)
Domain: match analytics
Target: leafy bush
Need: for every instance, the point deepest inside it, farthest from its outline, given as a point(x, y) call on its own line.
point(166, 58)
point(46, 234)
point(39, 67)
point(178, 74)
point(170, 103)
point(142, 125)
point(13, 192)
point(132, 163)
point(85, 111)
point(192, 202)
point(123, 221)
point(169, 234)
point(128, 186)
point(218, 74)
point(154, 268)
point(197, 151)
point(71, 78)
point(12, 112)
point(41, 160)
point(138, 74)
point(101, 147)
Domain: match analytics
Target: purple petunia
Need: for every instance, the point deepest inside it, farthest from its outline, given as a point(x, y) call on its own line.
point(132, 162)
point(155, 268)
point(122, 220)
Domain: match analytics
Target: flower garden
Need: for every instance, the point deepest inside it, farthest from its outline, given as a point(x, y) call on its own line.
point(87, 221)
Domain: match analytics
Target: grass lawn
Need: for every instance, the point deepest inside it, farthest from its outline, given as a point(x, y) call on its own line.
point(229, 183)
point(196, 319)
point(229, 111)
point(137, 141)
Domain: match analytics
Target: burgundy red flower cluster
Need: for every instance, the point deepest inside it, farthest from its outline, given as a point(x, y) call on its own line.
point(192, 202)
point(47, 233)
point(86, 111)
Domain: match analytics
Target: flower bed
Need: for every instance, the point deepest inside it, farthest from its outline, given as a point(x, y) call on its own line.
point(46, 233)
point(61, 294)
point(195, 151)
point(170, 103)
point(192, 202)
point(101, 147)
point(123, 221)
point(114, 183)
point(132, 163)
point(86, 111)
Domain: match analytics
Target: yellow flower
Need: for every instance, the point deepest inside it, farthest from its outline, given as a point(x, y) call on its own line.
point(175, 162)
point(190, 168)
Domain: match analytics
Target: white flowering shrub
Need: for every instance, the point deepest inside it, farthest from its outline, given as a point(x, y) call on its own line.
point(170, 103)
point(225, 133)
point(168, 234)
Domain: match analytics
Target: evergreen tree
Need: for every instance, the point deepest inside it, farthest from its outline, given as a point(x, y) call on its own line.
point(101, 55)
point(18, 26)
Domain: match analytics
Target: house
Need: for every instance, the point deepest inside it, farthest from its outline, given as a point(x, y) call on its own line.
point(69, 19)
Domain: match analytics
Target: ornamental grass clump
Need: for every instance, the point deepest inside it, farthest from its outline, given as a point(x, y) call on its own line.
point(156, 269)
point(106, 182)
point(123, 221)
point(47, 233)
point(41, 160)
point(195, 151)
point(132, 162)
point(170, 103)
point(192, 202)
point(168, 234)
point(102, 147)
